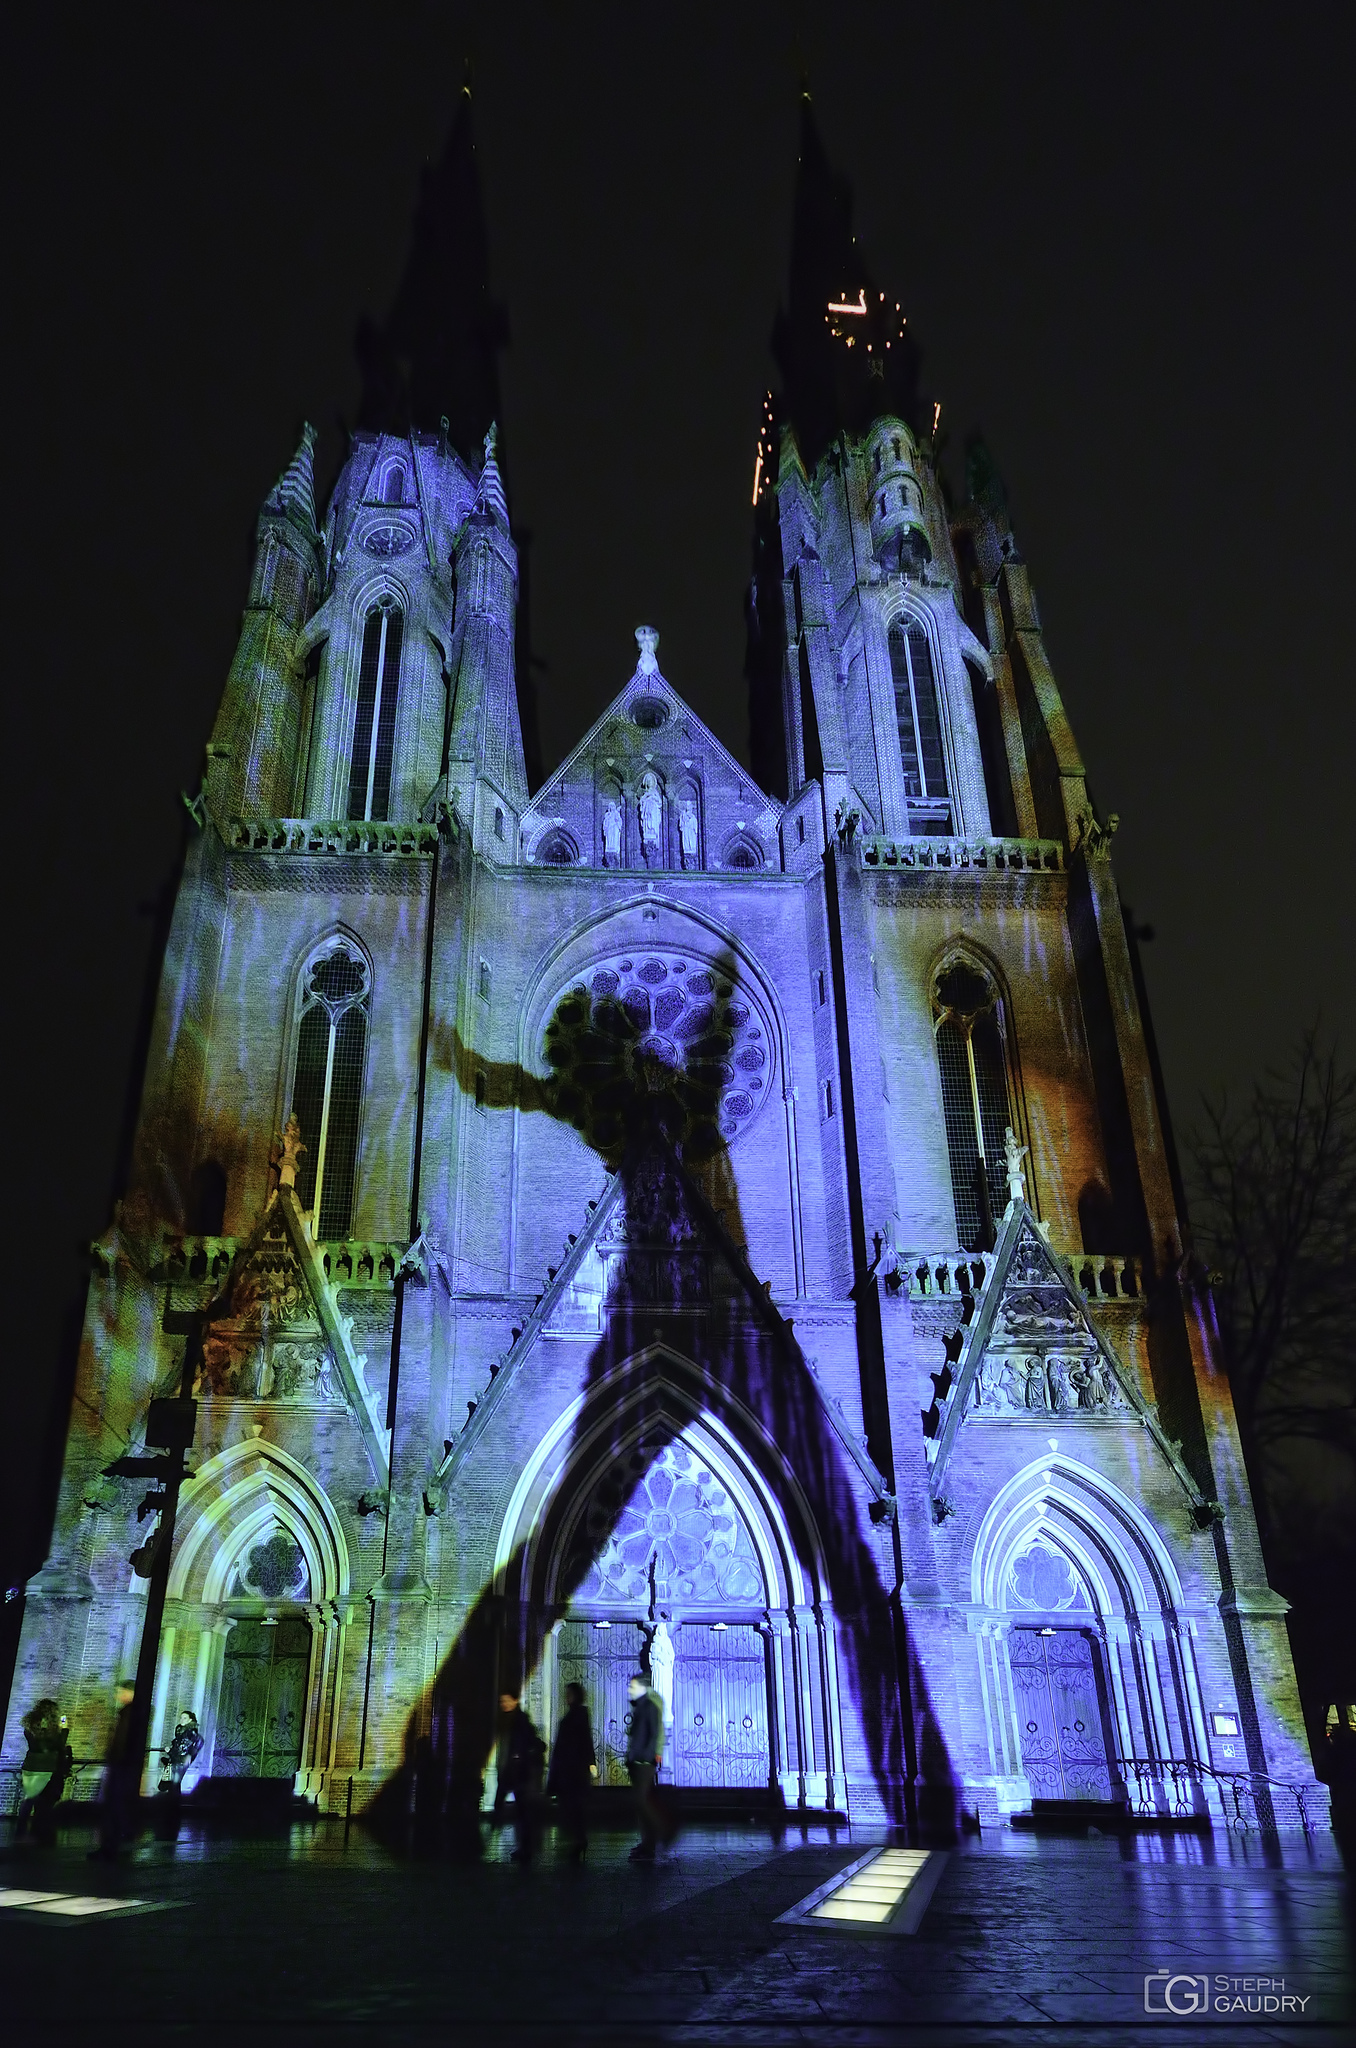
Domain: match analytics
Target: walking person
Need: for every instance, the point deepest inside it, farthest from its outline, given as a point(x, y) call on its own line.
point(47, 1764)
point(122, 1780)
point(184, 1745)
point(521, 1755)
point(644, 1755)
point(574, 1767)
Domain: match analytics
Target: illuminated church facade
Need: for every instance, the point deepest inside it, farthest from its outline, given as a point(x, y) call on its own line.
point(711, 1219)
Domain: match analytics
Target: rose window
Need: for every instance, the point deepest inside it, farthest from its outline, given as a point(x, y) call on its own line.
point(1044, 1579)
point(665, 1028)
point(275, 1569)
point(671, 1515)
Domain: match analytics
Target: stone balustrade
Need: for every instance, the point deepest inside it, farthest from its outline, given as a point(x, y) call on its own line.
point(360, 1262)
point(950, 1275)
point(330, 835)
point(188, 1260)
point(348, 1262)
point(1103, 1279)
point(1037, 856)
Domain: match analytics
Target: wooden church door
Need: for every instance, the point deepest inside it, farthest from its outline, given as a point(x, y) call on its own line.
point(262, 1710)
point(601, 1660)
point(1061, 1713)
point(720, 1719)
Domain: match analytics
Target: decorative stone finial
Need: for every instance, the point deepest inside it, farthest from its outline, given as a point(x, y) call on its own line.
point(292, 1149)
point(647, 639)
point(490, 496)
point(1014, 1154)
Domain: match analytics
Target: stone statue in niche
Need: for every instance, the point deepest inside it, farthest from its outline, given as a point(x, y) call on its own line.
point(687, 832)
point(650, 805)
point(612, 833)
point(661, 1667)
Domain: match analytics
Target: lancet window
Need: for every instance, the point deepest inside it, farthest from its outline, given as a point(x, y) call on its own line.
point(918, 716)
point(327, 1085)
point(972, 1057)
point(369, 780)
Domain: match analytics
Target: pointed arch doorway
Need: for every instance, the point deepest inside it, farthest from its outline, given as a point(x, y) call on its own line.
point(673, 1519)
point(665, 1538)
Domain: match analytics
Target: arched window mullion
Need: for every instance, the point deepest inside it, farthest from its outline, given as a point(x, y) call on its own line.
point(327, 1086)
point(918, 717)
point(369, 781)
point(972, 1064)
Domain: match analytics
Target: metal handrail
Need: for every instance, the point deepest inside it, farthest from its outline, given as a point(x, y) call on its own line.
point(1178, 1772)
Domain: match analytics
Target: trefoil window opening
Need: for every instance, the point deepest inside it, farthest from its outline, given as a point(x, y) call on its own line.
point(328, 1084)
point(369, 781)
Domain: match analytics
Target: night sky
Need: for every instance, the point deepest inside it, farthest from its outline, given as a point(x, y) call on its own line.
point(1123, 249)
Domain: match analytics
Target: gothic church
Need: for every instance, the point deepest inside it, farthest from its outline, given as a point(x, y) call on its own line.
point(669, 1215)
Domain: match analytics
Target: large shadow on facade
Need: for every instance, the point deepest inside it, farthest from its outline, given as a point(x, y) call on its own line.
point(650, 1108)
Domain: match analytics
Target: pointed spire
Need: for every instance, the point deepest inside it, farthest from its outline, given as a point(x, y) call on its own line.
point(436, 355)
point(842, 347)
point(294, 493)
point(490, 497)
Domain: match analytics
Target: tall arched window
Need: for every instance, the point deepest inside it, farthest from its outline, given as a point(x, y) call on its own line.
point(972, 1056)
point(327, 1086)
point(918, 716)
point(369, 777)
point(394, 493)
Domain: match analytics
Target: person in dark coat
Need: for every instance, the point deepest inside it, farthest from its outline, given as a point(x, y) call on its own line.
point(521, 1755)
point(183, 1748)
point(122, 1780)
point(574, 1766)
point(644, 1755)
point(47, 1764)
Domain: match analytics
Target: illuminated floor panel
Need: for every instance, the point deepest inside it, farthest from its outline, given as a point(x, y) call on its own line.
point(71, 1905)
point(884, 1892)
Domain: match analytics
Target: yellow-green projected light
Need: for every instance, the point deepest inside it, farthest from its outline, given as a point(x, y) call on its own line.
point(885, 1892)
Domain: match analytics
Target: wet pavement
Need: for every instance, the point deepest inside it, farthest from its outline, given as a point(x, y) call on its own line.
point(307, 1938)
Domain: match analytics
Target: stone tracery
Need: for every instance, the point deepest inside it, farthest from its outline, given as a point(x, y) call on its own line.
point(672, 1513)
point(665, 1022)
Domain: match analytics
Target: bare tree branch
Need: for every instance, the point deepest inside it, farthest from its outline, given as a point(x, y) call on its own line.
point(1274, 1199)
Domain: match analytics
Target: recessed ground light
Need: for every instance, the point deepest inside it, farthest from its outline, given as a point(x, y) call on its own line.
point(884, 1892)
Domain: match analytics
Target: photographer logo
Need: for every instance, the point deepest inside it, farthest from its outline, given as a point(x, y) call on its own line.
point(1189, 1994)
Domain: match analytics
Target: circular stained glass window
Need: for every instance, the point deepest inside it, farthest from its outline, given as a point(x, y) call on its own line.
point(661, 1032)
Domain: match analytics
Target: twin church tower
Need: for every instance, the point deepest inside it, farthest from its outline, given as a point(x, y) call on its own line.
point(712, 1219)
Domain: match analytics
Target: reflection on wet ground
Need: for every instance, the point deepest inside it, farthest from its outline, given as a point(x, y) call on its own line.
point(1025, 1938)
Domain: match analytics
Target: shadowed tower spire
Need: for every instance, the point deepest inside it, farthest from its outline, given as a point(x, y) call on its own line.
point(436, 355)
point(843, 351)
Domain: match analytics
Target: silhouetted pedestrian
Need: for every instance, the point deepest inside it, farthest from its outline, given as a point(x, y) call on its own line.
point(644, 1755)
point(574, 1766)
point(521, 1755)
point(122, 1780)
point(47, 1765)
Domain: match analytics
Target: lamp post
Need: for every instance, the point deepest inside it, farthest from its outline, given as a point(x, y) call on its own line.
point(170, 1426)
